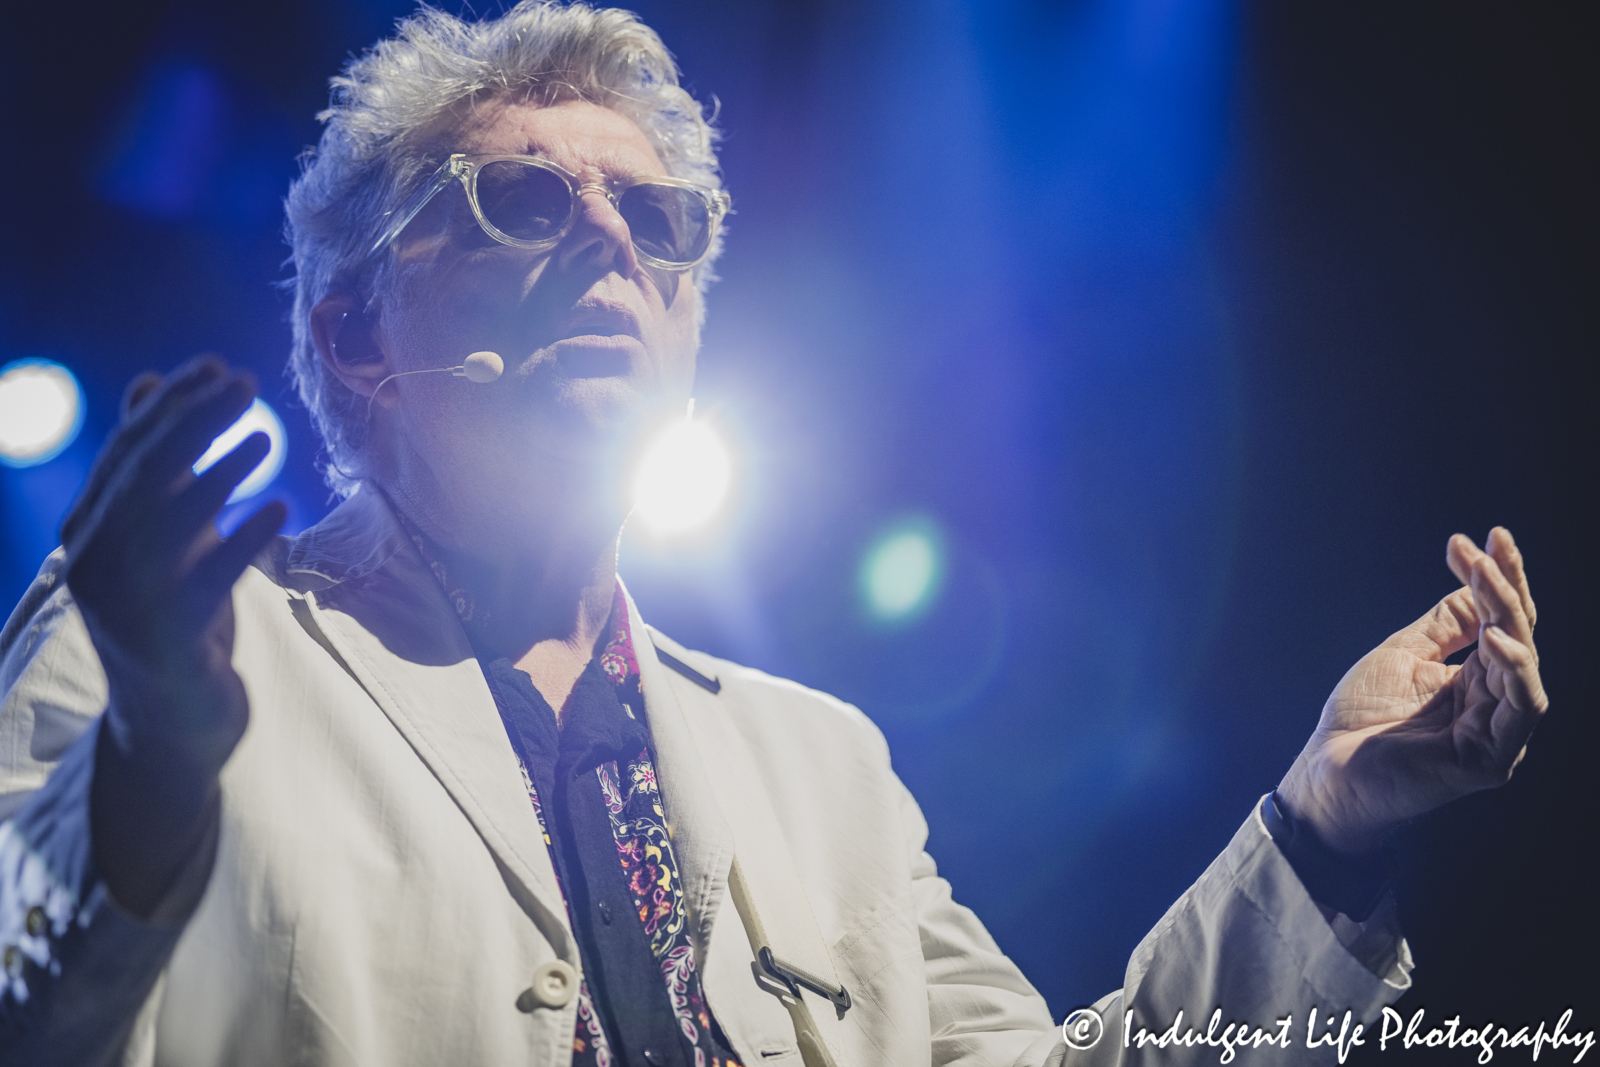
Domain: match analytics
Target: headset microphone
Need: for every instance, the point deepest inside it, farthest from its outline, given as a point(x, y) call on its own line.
point(480, 367)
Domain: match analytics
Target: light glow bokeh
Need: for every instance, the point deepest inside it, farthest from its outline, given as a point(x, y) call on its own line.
point(682, 479)
point(259, 416)
point(902, 572)
point(41, 411)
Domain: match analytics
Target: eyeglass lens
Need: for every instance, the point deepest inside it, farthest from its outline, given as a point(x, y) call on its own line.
point(530, 203)
point(667, 222)
point(522, 201)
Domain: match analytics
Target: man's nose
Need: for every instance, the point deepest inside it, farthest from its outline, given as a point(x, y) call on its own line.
point(599, 236)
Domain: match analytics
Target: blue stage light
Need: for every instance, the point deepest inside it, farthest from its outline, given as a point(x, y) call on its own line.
point(41, 411)
point(257, 417)
point(903, 571)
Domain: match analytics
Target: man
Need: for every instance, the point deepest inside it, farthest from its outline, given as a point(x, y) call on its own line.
point(420, 786)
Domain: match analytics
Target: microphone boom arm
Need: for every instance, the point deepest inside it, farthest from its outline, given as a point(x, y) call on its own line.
point(480, 367)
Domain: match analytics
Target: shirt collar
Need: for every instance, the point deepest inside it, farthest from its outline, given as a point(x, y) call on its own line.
point(617, 658)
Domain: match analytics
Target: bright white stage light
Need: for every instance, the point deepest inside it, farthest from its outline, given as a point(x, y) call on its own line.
point(41, 411)
point(682, 479)
point(257, 417)
point(902, 571)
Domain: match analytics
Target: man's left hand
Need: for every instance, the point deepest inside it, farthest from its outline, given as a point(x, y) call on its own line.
point(1404, 732)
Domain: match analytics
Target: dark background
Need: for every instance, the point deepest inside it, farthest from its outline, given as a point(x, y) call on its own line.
point(1195, 327)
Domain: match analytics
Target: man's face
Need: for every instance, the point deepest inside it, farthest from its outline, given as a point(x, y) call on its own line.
point(597, 346)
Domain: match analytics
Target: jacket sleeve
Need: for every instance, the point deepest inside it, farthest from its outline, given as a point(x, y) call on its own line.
point(77, 969)
point(1245, 941)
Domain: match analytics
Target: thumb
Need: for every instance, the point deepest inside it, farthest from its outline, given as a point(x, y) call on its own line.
point(1451, 626)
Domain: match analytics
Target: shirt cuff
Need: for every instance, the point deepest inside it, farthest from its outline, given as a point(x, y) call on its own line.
point(59, 926)
point(1375, 940)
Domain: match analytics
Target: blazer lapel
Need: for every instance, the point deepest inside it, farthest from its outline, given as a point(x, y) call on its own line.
point(700, 836)
point(707, 771)
point(389, 621)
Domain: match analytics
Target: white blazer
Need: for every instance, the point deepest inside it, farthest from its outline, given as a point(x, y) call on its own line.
point(380, 893)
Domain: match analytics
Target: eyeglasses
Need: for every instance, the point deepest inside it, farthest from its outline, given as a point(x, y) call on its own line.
point(527, 202)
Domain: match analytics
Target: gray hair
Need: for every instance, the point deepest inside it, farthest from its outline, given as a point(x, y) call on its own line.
point(380, 142)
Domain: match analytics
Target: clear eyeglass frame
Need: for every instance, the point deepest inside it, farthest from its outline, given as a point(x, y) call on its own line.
point(465, 168)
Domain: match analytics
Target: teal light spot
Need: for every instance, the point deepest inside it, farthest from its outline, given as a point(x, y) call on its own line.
point(902, 572)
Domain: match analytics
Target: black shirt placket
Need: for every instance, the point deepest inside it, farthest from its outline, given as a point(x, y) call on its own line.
point(624, 978)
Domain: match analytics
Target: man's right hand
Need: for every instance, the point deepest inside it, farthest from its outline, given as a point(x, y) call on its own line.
point(153, 579)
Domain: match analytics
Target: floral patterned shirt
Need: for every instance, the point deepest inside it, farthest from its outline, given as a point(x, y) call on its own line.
point(644, 850)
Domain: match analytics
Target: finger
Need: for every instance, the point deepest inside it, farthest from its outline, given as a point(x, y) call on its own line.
point(1503, 547)
point(139, 390)
point(1497, 602)
point(1475, 702)
point(1451, 626)
point(147, 471)
point(1459, 555)
point(1525, 699)
point(200, 501)
point(172, 450)
point(214, 575)
point(195, 374)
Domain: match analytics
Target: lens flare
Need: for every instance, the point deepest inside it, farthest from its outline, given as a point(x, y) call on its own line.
point(903, 570)
point(257, 417)
point(41, 411)
point(683, 479)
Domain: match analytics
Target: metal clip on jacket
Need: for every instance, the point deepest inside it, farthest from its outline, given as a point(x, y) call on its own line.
point(792, 980)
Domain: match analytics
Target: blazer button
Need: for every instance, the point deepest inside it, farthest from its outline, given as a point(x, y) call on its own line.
point(554, 983)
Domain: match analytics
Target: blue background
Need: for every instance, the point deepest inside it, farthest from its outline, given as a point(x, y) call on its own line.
point(1196, 326)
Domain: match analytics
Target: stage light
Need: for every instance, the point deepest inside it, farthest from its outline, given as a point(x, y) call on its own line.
point(682, 479)
point(41, 411)
point(258, 416)
point(903, 570)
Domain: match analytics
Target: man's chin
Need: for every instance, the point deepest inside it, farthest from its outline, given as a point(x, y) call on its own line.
point(600, 398)
point(591, 419)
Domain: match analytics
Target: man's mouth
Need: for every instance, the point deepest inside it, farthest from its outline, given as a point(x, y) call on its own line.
point(598, 319)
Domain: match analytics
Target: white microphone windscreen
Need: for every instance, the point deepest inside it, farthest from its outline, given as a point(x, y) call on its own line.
point(483, 367)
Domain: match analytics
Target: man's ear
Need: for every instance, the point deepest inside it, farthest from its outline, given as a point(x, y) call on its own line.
point(347, 341)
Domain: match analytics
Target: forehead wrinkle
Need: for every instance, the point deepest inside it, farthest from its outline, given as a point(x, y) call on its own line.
point(605, 140)
point(615, 159)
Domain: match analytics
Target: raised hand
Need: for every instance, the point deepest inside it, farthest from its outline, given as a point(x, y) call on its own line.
point(153, 579)
point(1404, 732)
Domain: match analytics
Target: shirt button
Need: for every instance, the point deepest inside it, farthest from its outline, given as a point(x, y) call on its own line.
point(554, 983)
point(605, 912)
point(654, 1058)
point(37, 922)
point(12, 959)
